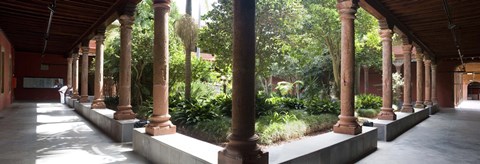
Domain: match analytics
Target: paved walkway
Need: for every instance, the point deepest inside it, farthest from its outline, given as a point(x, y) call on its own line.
point(450, 136)
point(36, 133)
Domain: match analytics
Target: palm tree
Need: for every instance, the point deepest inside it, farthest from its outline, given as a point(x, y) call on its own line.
point(186, 29)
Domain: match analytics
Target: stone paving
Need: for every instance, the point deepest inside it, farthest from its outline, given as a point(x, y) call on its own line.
point(53, 133)
point(450, 136)
point(36, 133)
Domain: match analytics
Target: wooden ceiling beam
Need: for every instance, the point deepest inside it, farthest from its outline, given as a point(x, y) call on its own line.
point(374, 4)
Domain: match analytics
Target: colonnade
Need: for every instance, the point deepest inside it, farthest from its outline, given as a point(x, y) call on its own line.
point(242, 146)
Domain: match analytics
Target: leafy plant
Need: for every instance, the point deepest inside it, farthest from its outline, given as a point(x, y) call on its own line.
point(145, 110)
point(190, 112)
point(370, 113)
point(368, 101)
point(111, 102)
point(322, 106)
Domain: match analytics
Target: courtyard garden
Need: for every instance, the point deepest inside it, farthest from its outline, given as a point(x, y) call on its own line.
point(297, 69)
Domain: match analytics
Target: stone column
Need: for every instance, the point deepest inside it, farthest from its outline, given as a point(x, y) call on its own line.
point(69, 71)
point(347, 123)
point(434, 83)
point(365, 79)
point(428, 83)
point(124, 108)
point(98, 99)
point(407, 75)
point(420, 86)
point(160, 123)
point(84, 91)
point(387, 93)
point(75, 75)
point(242, 146)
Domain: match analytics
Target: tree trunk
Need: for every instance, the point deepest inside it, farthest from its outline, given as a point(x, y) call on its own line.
point(335, 54)
point(188, 72)
point(189, 7)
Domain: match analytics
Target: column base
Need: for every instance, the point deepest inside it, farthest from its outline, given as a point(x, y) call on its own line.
point(98, 104)
point(352, 129)
point(387, 114)
point(159, 130)
point(83, 99)
point(407, 108)
point(124, 113)
point(258, 157)
point(419, 104)
point(428, 103)
point(76, 96)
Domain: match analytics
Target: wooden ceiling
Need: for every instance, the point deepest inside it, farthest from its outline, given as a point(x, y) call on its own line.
point(25, 22)
point(426, 24)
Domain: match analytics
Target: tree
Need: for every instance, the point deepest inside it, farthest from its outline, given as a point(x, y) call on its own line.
point(142, 50)
point(325, 25)
point(186, 29)
point(276, 21)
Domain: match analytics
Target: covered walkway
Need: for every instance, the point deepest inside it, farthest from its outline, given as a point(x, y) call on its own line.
point(450, 136)
point(53, 133)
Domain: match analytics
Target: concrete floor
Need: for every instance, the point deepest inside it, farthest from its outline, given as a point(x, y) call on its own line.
point(450, 136)
point(53, 133)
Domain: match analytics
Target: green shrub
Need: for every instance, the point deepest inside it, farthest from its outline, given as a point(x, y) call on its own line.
point(111, 102)
point(221, 103)
point(191, 112)
point(215, 130)
point(322, 106)
point(370, 113)
point(294, 124)
point(368, 101)
point(286, 103)
point(145, 110)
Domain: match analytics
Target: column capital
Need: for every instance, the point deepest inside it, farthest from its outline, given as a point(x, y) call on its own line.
point(161, 4)
point(427, 62)
point(347, 8)
point(126, 21)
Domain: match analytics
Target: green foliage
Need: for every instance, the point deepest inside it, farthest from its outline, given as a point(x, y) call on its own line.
point(111, 102)
point(283, 104)
point(276, 20)
point(215, 130)
point(190, 112)
point(279, 127)
point(222, 103)
point(370, 113)
point(368, 101)
point(286, 88)
point(145, 110)
point(200, 90)
point(201, 69)
point(322, 106)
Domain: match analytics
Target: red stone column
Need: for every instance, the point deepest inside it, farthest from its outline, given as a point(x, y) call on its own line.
point(69, 72)
point(347, 123)
point(84, 89)
point(428, 83)
point(407, 71)
point(420, 81)
point(434, 83)
point(387, 93)
point(160, 123)
point(75, 75)
point(365, 79)
point(98, 99)
point(124, 108)
point(242, 146)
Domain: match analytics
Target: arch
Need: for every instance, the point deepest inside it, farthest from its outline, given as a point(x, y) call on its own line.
point(473, 90)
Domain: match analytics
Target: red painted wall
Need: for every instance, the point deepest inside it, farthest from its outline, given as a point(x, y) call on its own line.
point(6, 48)
point(29, 66)
point(374, 82)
